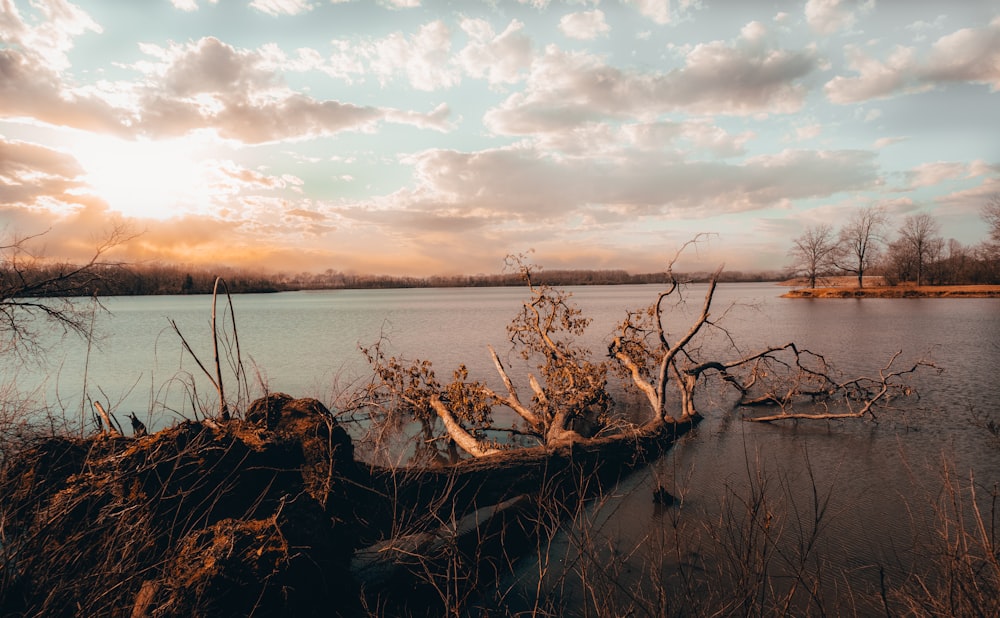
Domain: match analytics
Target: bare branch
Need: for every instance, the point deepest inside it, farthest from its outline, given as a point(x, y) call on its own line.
point(466, 441)
point(512, 400)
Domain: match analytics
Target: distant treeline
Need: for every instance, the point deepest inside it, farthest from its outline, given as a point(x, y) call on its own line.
point(42, 280)
point(160, 279)
point(337, 280)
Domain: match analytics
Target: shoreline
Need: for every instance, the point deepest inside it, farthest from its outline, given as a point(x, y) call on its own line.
point(926, 291)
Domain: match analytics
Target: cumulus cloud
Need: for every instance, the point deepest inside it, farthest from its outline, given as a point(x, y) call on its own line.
point(204, 84)
point(210, 84)
point(499, 58)
point(741, 78)
point(969, 55)
point(874, 79)
point(30, 64)
point(30, 89)
point(585, 25)
point(52, 37)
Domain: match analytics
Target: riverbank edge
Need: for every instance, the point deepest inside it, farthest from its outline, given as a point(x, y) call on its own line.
point(927, 291)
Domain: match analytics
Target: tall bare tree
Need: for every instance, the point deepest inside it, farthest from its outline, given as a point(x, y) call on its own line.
point(921, 235)
point(860, 241)
point(814, 252)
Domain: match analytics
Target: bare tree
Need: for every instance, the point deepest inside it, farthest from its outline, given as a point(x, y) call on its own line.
point(860, 239)
point(814, 252)
point(34, 289)
point(921, 235)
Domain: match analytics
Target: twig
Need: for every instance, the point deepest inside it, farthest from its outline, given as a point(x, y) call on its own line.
point(106, 418)
point(223, 408)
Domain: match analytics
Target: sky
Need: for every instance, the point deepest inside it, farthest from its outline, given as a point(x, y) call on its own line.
point(421, 137)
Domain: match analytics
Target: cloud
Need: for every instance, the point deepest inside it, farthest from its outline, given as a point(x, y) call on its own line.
point(204, 84)
point(656, 10)
point(526, 186)
point(281, 7)
point(53, 37)
point(38, 177)
point(210, 66)
point(883, 142)
point(830, 16)
point(584, 26)
point(920, 27)
point(423, 58)
point(566, 89)
point(875, 79)
point(210, 84)
point(970, 55)
point(808, 132)
point(500, 59)
point(30, 64)
point(189, 5)
point(306, 214)
point(931, 174)
point(30, 89)
point(699, 135)
point(479, 203)
point(974, 198)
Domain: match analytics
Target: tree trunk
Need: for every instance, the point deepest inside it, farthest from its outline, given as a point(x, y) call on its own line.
point(452, 491)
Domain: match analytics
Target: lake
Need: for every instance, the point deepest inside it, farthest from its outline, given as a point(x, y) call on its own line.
point(881, 479)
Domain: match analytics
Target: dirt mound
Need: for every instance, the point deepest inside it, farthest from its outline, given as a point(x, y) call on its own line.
point(234, 518)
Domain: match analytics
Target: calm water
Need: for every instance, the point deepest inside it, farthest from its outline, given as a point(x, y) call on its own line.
point(304, 343)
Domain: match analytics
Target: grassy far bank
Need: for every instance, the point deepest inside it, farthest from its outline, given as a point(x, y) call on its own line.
point(898, 291)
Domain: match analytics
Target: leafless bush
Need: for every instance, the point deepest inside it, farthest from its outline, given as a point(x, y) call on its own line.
point(959, 573)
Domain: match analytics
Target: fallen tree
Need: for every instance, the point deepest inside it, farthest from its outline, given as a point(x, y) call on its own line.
point(570, 401)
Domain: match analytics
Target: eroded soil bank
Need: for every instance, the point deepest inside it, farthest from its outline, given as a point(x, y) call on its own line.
point(270, 515)
point(253, 516)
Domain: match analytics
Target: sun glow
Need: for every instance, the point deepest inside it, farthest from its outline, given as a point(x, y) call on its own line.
point(147, 179)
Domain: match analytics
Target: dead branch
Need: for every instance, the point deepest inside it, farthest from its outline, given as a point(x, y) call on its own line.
point(108, 425)
point(869, 390)
point(512, 400)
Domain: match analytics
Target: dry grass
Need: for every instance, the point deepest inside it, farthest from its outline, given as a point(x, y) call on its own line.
point(899, 291)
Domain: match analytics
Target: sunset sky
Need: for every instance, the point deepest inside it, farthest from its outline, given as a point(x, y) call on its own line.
point(434, 137)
